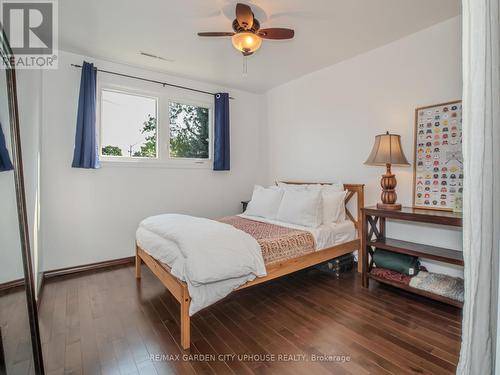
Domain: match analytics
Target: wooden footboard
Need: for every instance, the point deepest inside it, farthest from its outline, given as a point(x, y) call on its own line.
point(175, 286)
point(180, 291)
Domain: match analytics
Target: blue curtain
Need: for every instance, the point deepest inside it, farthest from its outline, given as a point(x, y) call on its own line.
point(221, 133)
point(5, 163)
point(86, 148)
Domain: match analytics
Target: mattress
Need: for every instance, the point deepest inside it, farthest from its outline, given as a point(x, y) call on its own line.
point(322, 237)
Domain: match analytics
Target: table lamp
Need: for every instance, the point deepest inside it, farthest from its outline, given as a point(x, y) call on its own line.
point(387, 151)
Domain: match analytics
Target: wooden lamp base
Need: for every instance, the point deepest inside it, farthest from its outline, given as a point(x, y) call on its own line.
point(388, 196)
point(389, 206)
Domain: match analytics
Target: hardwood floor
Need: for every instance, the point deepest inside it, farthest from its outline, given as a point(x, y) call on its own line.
point(105, 323)
point(14, 328)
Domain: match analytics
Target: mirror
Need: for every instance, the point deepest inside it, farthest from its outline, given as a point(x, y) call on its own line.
point(20, 350)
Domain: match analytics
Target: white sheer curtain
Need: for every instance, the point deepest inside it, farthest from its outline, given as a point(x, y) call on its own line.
point(481, 146)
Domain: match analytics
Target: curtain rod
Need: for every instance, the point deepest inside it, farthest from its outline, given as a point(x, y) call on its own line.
point(152, 81)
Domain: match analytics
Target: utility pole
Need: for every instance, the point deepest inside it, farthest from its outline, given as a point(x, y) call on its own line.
point(130, 148)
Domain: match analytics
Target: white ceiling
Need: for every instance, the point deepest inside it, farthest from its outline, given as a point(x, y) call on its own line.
point(326, 32)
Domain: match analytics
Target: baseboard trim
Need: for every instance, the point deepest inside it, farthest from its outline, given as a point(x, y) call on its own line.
point(11, 285)
point(87, 267)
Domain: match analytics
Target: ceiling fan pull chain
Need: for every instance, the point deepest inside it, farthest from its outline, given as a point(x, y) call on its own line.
point(245, 66)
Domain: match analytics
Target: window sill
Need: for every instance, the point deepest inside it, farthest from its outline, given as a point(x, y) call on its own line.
point(182, 164)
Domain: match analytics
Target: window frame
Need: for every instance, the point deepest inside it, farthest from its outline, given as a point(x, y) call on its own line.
point(163, 97)
point(194, 103)
point(117, 89)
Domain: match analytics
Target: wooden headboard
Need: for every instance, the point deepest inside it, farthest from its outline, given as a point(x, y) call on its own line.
point(353, 190)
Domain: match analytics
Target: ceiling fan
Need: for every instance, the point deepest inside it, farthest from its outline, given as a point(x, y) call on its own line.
point(247, 36)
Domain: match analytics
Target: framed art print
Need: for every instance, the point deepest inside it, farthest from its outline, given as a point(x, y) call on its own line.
point(438, 159)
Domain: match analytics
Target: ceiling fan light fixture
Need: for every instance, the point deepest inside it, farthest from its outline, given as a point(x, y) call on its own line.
point(246, 42)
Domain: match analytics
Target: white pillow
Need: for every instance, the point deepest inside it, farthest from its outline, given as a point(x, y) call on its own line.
point(265, 202)
point(302, 207)
point(333, 205)
point(333, 196)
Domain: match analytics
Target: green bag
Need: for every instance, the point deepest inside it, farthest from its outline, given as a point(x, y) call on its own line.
point(402, 263)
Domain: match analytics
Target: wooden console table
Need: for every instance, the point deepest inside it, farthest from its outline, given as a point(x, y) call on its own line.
point(375, 237)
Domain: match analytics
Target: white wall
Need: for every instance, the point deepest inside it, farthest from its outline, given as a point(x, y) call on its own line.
point(321, 127)
point(91, 215)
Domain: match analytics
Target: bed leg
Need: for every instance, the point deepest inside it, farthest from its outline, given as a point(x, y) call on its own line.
point(185, 321)
point(361, 255)
point(138, 262)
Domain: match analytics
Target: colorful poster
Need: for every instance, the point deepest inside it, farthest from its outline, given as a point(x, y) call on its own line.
point(438, 159)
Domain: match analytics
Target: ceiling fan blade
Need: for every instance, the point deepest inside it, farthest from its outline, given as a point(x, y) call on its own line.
point(276, 33)
point(244, 16)
point(223, 33)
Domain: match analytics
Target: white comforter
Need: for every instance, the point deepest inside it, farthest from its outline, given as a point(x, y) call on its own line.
point(213, 258)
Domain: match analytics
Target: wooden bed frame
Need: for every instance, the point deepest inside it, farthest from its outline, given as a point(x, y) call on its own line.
point(179, 288)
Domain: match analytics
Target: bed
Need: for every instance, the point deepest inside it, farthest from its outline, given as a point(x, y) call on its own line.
point(281, 258)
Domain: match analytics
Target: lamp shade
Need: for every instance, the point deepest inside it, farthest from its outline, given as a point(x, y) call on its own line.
point(246, 42)
point(387, 150)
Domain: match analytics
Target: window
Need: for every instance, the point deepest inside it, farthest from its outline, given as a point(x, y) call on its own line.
point(153, 127)
point(189, 131)
point(128, 125)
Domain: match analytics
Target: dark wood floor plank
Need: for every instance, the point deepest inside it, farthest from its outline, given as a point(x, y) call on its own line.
point(427, 342)
point(106, 322)
point(14, 324)
point(405, 337)
point(88, 342)
point(404, 324)
point(302, 335)
point(382, 306)
point(280, 343)
point(361, 329)
point(258, 333)
point(418, 357)
point(220, 346)
point(337, 335)
point(236, 344)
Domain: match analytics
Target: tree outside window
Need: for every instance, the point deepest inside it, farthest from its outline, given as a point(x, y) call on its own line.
point(189, 131)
